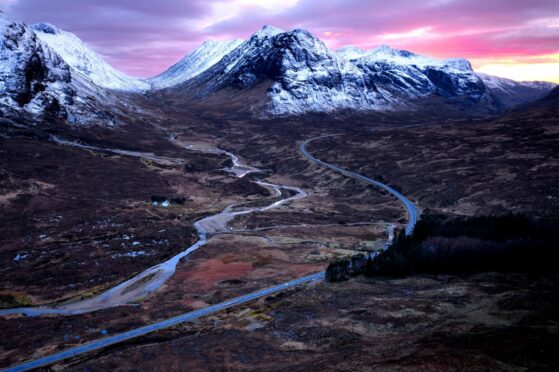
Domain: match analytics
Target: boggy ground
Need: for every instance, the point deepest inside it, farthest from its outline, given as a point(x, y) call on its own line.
point(75, 221)
point(242, 261)
point(229, 266)
point(502, 166)
point(95, 226)
point(480, 322)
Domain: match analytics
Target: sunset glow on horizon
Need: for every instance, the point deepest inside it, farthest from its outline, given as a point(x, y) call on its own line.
point(513, 39)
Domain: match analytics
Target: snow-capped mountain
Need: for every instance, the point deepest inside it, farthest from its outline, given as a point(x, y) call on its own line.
point(202, 58)
point(291, 65)
point(37, 82)
point(351, 52)
point(47, 71)
point(513, 93)
point(412, 76)
point(302, 75)
point(79, 56)
point(402, 57)
point(32, 76)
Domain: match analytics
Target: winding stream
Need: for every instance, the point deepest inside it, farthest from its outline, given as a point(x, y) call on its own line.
point(151, 279)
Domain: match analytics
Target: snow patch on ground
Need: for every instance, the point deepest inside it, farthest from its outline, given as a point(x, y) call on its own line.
point(132, 254)
point(20, 257)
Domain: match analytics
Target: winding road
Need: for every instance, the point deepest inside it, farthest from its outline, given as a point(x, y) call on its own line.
point(413, 214)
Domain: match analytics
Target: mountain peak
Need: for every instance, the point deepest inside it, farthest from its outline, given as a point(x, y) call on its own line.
point(84, 60)
point(351, 52)
point(459, 64)
point(269, 31)
point(33, 78)
point(387, 51)
point(194, 63)
point(303, 33)
point(46, 28)
point(384, 48)
point(351, 48)
point(382, 52)
point(299, 72)
point(304, 42)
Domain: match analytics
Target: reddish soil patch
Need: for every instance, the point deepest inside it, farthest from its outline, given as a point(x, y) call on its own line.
point(205, 275)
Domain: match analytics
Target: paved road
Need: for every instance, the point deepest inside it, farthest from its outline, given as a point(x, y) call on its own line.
point(186, 317)
point(193, 315)
point(413, 212)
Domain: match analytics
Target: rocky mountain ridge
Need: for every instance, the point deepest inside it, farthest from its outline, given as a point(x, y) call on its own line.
point(50, 72)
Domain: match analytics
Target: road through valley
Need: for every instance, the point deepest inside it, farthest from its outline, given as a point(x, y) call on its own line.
point(212, 224)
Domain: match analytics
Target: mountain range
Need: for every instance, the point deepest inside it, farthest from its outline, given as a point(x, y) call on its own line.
point(45, 71)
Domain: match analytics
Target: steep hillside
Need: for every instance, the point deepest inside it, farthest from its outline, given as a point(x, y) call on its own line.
point(79, 56)
point(300, 74)
point(513, 93)
point(202, 58)
point(37, 83)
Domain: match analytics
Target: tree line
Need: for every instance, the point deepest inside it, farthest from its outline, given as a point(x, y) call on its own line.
point(443, 244)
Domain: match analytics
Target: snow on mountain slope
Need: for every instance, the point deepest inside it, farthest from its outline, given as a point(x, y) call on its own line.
point(308, 77)
point(303, 75)
point(402, 57)
point(46, 70)
point(36, 83)
point(202, 58)
point(79, 56)
point(33, 78)
point(351, 52)
point(513, 93)
point(414, 75)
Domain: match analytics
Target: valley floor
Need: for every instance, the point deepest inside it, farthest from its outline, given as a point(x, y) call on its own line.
point(487, 321)
point(73, 223)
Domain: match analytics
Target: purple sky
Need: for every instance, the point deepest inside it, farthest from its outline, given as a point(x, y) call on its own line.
point(515, 38)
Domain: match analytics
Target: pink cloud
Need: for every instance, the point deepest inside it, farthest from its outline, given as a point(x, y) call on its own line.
point(143, 37)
